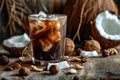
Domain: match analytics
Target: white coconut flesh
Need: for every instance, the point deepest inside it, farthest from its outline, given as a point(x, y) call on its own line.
point(17, 41)
point(108, 25)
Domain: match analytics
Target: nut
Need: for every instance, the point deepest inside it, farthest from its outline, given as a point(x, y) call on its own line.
point(105, 53)
point(54, 69)
point(78, 51)
point(113, 51)
point(24, 71)
point(13, 67)
point(16, 66)
point(69, 46)
point(91, 45)
point(75, 59)
point(4, 60)
point(34, 68)
point(78, 67)
point(66, 57)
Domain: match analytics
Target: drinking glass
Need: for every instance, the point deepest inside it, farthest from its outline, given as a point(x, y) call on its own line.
point(47, 35)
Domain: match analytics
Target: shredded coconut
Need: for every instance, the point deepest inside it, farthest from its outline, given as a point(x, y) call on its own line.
point(89, 53)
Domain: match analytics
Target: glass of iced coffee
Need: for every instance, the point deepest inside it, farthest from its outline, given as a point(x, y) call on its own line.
point(47, 35)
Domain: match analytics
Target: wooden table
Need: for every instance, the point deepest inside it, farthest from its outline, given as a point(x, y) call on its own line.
point(96, 68)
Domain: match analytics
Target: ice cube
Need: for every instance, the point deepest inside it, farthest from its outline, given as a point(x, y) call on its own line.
point(38, 16)
point(45, 44)
point(42, 14)
point(34, 17)
point(54, 36)
point(37, 27)
point(55, 24)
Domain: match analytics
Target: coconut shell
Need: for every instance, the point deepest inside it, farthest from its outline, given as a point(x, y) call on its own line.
point(105, 43)
point(81, 12)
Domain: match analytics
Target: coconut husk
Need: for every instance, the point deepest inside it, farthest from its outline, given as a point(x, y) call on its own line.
point(17, 13)
point(81, 13)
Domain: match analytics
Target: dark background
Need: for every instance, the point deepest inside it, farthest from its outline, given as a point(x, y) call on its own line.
point(52, 6)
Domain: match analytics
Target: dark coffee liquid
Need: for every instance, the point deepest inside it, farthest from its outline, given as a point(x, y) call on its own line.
point(47, 39)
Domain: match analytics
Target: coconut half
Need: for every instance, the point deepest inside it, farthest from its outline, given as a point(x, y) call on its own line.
point(17, 41)
point(17, 44)
point(107, 29)
point(108, 25)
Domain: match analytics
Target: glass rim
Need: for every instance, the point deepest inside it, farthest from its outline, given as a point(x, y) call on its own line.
point(49, 17)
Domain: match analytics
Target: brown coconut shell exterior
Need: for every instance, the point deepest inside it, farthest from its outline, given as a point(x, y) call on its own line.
point(19, 51)
point(105, 43)
point(81, 12)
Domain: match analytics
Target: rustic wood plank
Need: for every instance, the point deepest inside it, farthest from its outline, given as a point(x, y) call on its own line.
point(96, 68)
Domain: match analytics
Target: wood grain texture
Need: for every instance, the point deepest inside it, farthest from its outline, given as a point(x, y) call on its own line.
point(106, 68)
